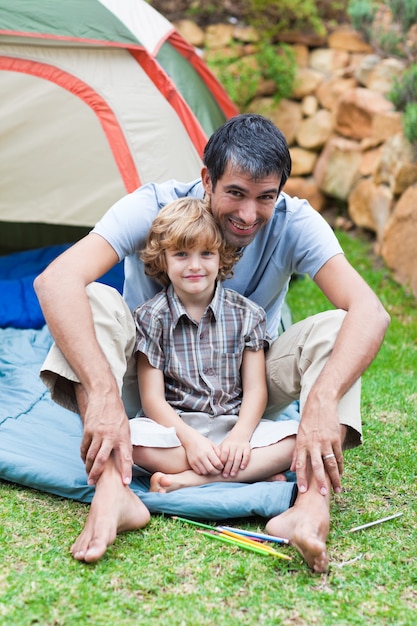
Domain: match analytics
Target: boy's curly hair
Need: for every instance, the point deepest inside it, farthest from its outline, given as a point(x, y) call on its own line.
point(185, 224)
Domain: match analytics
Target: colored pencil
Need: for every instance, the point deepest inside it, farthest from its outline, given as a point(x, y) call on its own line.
point(254, 535)
point(378, 521)
point(194, 523)
point(234, 538)
point(244, 545)
point(250, 542)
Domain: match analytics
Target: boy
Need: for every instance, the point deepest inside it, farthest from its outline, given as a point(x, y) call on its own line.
point(201, 363)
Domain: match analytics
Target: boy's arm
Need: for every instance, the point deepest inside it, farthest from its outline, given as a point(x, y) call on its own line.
point(235, 448)
point(202, 454)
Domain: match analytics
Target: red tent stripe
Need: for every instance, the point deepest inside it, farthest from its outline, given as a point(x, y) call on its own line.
point(105, 115)
point(79, 40)
point(188, 52)
point(167, 88)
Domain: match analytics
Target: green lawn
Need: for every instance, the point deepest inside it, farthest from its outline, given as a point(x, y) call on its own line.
point(170, 575)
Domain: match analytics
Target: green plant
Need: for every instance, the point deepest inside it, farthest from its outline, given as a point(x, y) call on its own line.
point(405, 12)
point(404, 97)
point(241, 76)
point(410, 122)
point(384, 24)
point(362, 15)
point(272, 17)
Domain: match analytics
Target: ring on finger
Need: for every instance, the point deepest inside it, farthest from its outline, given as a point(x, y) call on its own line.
point(328, 456)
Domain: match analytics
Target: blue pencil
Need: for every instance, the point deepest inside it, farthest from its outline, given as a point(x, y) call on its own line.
point(254, 535)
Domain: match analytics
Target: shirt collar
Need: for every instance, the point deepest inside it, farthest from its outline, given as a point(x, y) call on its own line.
point(178, 309)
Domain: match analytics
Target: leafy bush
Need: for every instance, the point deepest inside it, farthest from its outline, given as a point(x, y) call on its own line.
point(384, 24)
point(242, 76)
point(404, 97)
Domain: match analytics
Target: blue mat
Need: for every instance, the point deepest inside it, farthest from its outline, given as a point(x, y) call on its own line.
point(40, 441)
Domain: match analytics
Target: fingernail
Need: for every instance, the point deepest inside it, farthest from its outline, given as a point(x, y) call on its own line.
point(126, 480)
point(323, 491)
point(302, 488)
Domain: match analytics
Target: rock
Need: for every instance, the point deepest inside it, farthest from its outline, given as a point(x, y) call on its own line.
point(348, 39)
point(327, 60)
point(309, 106)
point(247, 34)
point(397, 168)
point(191, 32)
point(286, 114)
point(306, 188)
point(355, 111)
point(369, 206)
point(365, 67)
point(383, 76)
point(385, 125)
point(314, 131)
point(306, 82)
point(330, 90)
point(303, 161)
point(337, 168)
point(399, 248)
point(218, 35)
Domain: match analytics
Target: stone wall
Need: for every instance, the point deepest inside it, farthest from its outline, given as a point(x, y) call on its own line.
point(345, 138)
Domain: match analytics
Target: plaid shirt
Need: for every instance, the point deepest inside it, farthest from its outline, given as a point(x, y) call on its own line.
point(201, 362)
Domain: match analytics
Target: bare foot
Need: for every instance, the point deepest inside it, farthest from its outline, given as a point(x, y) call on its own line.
point(307, 531)
point(164, 483)
point(114, 509)
point(277, 478)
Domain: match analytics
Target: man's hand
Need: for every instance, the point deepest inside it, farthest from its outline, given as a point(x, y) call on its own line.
point(102, 437)
point(319, 445)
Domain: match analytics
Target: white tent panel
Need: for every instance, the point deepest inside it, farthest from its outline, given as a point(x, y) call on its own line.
point(149, 26)
point(53, 170)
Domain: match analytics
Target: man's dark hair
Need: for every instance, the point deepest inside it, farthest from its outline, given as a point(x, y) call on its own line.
point(250, 143)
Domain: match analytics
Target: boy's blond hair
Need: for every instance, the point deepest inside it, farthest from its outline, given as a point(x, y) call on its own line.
point(185, 224)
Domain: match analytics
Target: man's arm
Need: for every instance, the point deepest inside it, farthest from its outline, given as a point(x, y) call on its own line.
point(61, 290)
point(357, 344)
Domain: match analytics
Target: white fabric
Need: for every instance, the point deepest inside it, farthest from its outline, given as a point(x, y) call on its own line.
point(148, 433)
point(149, 26)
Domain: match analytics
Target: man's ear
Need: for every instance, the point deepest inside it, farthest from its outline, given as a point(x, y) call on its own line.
point(206, 180)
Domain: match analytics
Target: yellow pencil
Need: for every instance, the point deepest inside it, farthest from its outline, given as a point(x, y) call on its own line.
point(246, 546)
point(251, 542)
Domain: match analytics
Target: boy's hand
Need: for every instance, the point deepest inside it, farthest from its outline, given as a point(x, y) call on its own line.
point(235, 455)
point(203, 455)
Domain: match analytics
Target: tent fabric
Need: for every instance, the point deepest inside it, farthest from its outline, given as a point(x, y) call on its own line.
point(98, 97)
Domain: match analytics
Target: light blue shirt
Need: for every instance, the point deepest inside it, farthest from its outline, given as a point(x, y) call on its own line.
point(297, 239)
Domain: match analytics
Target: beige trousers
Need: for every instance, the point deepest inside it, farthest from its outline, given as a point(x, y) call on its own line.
point(294, 361)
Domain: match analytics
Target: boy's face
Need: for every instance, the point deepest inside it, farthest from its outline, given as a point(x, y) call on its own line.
point(193, 272)
point(241, 205)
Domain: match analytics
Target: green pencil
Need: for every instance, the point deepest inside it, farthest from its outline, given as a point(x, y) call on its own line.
point(245, 546)
point(190, 521)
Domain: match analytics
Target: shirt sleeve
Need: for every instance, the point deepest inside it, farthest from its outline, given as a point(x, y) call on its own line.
point(149, 337)
point(257, 338)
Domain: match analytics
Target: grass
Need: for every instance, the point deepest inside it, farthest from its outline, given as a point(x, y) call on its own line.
point(167, 574)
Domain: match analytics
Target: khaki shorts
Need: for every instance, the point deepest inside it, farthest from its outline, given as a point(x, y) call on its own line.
point(293, 362)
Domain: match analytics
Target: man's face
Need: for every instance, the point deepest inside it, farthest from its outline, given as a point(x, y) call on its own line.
point(241, 205)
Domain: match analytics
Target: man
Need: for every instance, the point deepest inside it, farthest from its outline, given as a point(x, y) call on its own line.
point(319, 360)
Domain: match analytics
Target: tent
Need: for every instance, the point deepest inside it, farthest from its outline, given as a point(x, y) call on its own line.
point(97, 98)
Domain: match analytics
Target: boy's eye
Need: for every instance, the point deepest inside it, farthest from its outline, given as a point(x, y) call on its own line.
point(180, 253)
point(207, 253)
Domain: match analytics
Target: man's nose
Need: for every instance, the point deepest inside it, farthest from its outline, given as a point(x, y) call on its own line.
point(247, 211)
